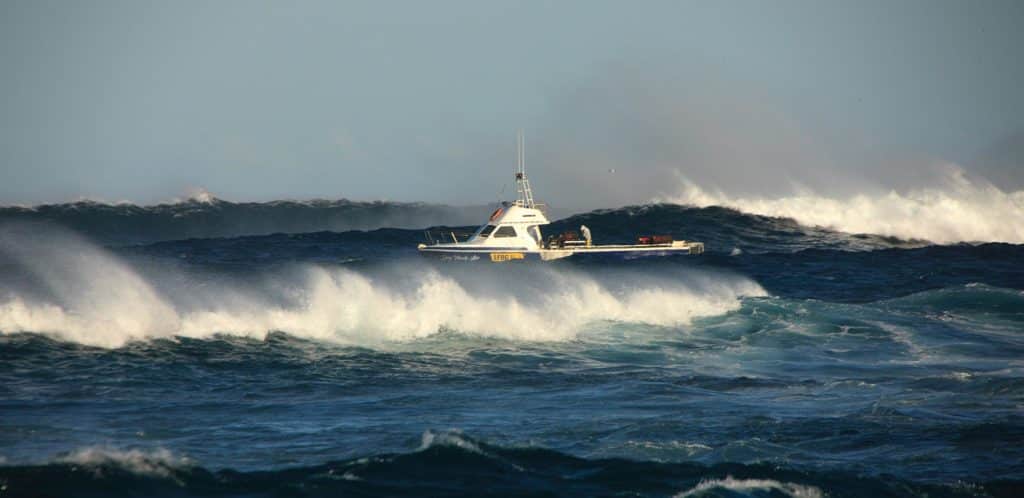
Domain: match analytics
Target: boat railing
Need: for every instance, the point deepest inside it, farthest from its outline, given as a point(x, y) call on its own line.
point(440, 236)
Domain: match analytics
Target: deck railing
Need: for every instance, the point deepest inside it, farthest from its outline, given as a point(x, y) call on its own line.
point(439, 236)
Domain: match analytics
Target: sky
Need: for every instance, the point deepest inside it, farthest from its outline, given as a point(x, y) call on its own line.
point(420, 101)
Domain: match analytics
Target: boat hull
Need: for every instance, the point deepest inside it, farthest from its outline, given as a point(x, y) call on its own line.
point(508, 255)
point(482, 256)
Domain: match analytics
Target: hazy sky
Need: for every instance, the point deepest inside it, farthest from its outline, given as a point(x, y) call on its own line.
point(146, 101)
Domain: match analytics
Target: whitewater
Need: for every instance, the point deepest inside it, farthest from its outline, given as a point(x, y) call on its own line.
point(101, 301)
point(809, 352)
point(959, 209)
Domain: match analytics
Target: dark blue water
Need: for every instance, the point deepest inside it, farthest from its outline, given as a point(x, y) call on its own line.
point(787, 361)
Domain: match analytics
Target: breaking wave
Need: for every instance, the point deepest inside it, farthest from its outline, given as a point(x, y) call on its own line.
point(961, 210)
point(158, 462)
point(751, 487)
point(76, 291)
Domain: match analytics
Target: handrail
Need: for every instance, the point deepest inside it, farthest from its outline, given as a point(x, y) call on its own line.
point(440, 236)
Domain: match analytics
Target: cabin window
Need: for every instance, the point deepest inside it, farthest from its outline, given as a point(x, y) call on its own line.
point(486, 231)
point(534, 232)
point(505, 231)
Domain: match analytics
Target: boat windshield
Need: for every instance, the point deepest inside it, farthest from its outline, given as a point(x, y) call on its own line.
point(505, 231)
point(486, 231)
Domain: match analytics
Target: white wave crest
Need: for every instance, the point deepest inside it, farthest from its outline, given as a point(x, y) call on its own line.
point(748, 486)
point(449, 438)
point(197, 195)
point(96, 299)
point(157, 462)
point(961, 210)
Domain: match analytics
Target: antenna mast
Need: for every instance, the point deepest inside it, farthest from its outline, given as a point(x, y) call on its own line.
point(522, 184)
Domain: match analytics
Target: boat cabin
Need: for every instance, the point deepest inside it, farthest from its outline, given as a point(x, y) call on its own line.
point(513, 226)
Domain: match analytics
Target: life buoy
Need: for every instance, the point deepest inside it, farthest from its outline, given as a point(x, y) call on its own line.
point(495, 214)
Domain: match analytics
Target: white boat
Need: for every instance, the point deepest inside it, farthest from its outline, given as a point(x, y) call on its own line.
point(513, 233)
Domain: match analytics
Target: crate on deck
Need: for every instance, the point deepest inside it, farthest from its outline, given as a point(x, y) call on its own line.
point(653, 239)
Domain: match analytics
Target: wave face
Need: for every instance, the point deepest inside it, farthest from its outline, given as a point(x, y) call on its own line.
point(960, 210)
point(786, 361)
point(207, 216)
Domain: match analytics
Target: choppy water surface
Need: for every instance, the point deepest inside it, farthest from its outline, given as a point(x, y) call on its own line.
point(788, 361)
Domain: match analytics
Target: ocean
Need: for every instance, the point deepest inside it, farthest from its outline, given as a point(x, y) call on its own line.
point(305, 349)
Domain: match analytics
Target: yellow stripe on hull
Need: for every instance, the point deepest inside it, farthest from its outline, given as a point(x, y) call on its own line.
point(499, 257)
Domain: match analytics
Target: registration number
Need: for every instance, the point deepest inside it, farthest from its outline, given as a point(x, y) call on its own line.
point(498, 257)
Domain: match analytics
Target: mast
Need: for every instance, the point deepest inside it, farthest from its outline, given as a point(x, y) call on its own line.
point(525, 194)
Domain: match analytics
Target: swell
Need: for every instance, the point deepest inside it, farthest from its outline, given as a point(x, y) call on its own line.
point(867, 276)
point(211, 217)
point(454, 464)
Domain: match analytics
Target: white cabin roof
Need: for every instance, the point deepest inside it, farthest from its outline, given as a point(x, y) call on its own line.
point(511, 225)
point(512, 214)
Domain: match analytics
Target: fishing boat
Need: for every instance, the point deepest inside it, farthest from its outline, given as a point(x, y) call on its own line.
point(513, 233)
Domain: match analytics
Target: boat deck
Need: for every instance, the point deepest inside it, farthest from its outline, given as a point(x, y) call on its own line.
point(680, 246)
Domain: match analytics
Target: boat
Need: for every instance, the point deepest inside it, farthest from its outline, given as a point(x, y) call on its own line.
point(513, 233)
